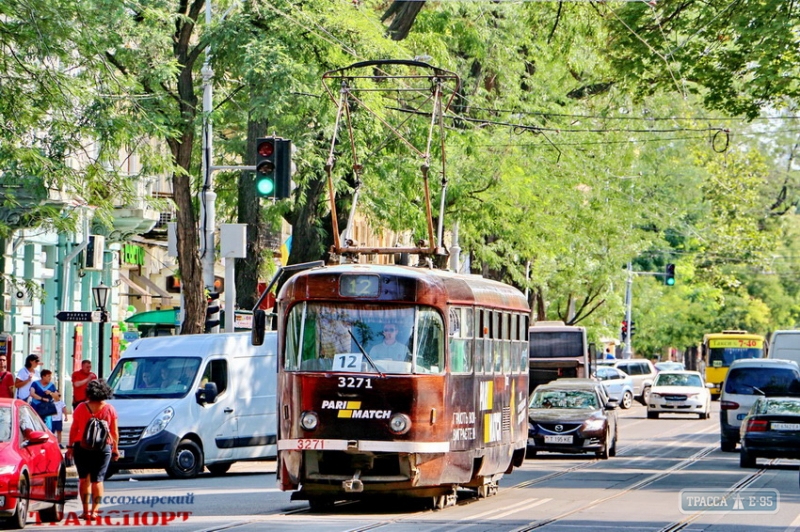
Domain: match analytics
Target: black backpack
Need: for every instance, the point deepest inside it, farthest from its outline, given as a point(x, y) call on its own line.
point(95, 436)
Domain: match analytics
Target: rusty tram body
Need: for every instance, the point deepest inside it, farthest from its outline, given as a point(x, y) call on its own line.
point(450, 411)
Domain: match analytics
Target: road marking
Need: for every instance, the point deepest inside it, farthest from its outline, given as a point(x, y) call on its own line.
point(537, 503)
point(794, 525)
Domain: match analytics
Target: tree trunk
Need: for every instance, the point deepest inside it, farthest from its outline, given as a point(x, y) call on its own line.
point(250, 213)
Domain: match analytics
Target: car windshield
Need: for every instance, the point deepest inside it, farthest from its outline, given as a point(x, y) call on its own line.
point(779, 406)
point(364, 338)
point(154, 377)
point(677, 379)
point(563, 399)
point(5, 423)
point(760, 381)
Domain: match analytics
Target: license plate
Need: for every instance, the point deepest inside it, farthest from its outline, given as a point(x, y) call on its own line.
point(785, 426)
point(741, 416)
point(558, 439)
point(121, 453)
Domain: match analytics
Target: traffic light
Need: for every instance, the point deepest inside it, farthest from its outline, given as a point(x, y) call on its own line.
point(266, 164)
point(633, 327)
point(669, 275)
point(624, 330)
point(212, 312)
point(273, 167)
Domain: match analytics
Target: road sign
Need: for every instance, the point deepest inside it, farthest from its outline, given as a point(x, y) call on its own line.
point(94, 316)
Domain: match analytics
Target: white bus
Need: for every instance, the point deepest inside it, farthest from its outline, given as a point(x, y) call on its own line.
point(557, 351)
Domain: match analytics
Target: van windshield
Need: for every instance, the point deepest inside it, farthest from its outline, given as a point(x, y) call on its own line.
point(154, 377)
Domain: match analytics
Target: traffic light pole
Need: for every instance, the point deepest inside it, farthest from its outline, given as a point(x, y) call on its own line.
point(628, 352)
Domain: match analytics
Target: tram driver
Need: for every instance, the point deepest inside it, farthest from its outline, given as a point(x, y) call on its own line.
point(390, 348)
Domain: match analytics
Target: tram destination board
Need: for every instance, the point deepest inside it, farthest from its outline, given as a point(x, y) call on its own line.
point(95, 316)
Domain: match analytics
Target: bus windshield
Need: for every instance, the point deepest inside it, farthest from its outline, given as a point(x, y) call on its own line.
point(723, 357)
point(556, 344)
point(364, 338)
point(153, 377)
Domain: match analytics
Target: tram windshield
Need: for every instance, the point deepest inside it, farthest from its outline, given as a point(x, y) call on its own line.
point(364, 338)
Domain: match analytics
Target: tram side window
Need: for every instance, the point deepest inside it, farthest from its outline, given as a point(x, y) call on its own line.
point(430, 342)
point(488, 353)
point(505, 341)
point(497, 343)
point(460, 356)
point(478, 335)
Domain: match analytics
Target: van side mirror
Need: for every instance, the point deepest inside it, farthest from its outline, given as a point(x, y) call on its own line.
point(207, 394)
point(259, 327)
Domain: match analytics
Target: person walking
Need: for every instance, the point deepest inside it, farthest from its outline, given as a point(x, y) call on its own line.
point(7, 387)
point(80, 379)
point(25, 378)
point(92, 465)
point(58, 419)
point(44, 391)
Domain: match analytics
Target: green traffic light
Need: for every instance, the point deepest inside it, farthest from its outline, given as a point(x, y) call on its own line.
point(265, 186)
point(670, 281)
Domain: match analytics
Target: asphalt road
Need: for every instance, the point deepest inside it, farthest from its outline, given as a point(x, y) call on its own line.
point(638, 490)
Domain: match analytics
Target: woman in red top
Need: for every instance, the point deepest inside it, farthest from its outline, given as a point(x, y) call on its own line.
point(92, 465)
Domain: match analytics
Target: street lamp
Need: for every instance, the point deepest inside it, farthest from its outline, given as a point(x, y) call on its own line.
point(100, 295)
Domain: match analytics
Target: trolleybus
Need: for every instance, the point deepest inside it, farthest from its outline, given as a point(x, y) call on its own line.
point(398, 381)
point(719, 350)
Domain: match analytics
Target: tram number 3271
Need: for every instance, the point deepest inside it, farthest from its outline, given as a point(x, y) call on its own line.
point(307, 444)
point(355, 382)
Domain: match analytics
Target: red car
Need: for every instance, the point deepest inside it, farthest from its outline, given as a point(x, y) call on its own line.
point(32, 468)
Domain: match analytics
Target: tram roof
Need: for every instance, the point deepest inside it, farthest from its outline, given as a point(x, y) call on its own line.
point(458, 288)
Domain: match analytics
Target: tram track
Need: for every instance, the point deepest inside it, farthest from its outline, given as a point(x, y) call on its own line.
point(627, 454)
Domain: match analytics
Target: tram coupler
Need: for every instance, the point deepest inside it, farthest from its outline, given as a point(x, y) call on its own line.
point(354, 485)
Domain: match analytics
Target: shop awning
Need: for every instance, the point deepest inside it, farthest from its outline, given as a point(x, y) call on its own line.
point(155, 317)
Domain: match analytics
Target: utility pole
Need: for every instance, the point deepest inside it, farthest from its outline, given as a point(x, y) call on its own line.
point(207, 196)
point(628, 352)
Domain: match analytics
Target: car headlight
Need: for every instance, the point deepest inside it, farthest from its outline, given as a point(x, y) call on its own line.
point(309, 420)
point(159, 423)
point(400, 424)
point(592, 425)
point(6, 469)
point(655, 395)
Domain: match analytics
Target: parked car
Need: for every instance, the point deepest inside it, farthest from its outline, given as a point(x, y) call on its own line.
point(641, 371)
point(669, 366)
point(746, 381)
point(618, 384)
point(572, 417)
point(32, 468)
point(679, 392)
point(770, 430)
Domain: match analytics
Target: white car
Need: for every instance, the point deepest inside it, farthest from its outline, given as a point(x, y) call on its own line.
point(679, 392)
point(618, 384)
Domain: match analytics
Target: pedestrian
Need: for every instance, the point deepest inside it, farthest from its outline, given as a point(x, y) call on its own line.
point(80, 379)
point(58, 419)
point(390, 349)
point(609, 354)
point(92, 465)
point(6, 380)
point(43, 392)
point(25, 378)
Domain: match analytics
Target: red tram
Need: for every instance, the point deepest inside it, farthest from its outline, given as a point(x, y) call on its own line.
point(409, 381)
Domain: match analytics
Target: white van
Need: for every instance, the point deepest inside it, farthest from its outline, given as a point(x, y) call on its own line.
point(190, 401)
point(785, 345)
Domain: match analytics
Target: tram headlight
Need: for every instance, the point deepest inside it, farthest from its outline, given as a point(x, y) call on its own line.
point(400, 424)
point(309, 420)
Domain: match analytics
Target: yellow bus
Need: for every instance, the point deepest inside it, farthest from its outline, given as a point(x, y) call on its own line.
point(719, 350)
